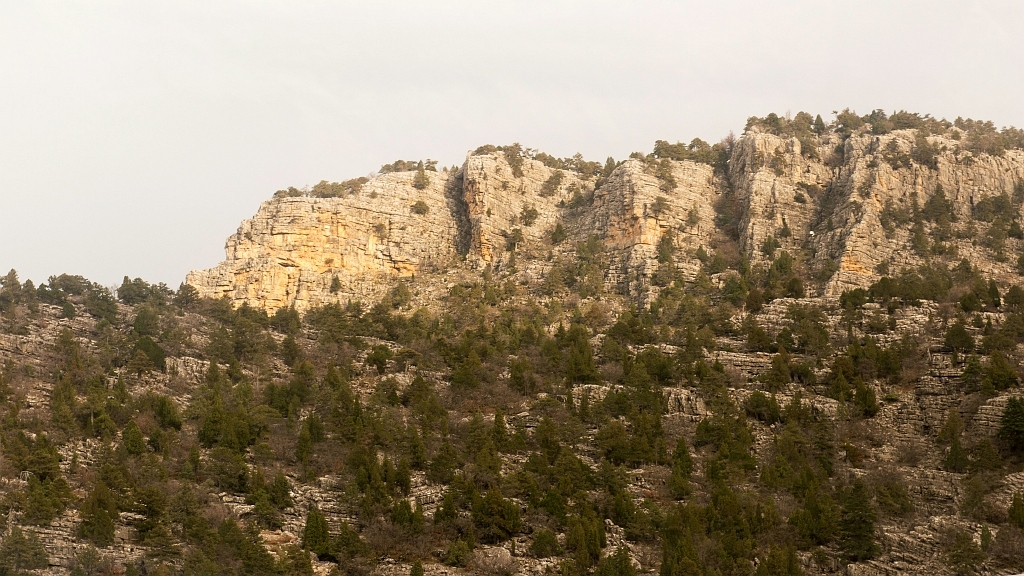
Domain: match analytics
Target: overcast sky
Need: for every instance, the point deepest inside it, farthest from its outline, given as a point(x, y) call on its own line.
point(135, 136)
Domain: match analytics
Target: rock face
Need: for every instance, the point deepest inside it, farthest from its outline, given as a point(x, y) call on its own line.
point(290, 252)
point(836, 208)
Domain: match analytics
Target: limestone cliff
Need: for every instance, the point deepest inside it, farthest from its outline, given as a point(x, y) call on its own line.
point(290, 252)
point(834, 203)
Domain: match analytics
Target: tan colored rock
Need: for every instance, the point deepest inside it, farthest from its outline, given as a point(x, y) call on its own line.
point(830, 202)
point(289, 253)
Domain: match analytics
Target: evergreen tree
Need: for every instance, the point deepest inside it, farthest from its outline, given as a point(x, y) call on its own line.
point(496, 518)
point(857, 524)
point(1015, 514)
point(316, 537)
point(958, 339)
point(417, 569)
point(500, 430)
point(20, 552)
point(986, 538)
point(973, 373)
point(140, 364)
point(963, 556)
point(682, 467)
point(295, 562)
point(132, 439)
point(99, 512)
point(617, 564)
point(442, 467)
point(1000, 374)
point(290, 351)
point(956, 458)
point(819, 125)
point(304, 446)
point(952, 428)
point(1011, 427)
point(420, 180)
point(818, 521)
point(865, 399)
point(446, 512)
point(994, 299)
point(780, 562)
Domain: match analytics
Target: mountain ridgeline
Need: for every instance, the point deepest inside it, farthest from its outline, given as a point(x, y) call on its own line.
point(847, 202)
point(793, 352)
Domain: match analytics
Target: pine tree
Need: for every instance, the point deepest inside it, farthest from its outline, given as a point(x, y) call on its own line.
point(952, 428)
point(865, 399)
point(304, 446)
point(131, 438)
point(617, 564)
point(496, 518)
point(1000, 374)
point(99, 512)
point(857, 525)
point(972, 375)
point(1015, 513)
point(291, 352)
point(316, 537)
point(20, 552)
point(294, 562)
point(819, 124)
point(1011, 427)
point(956, 458)
point(682, 467)
point(420, 180)
point(958, 339)
point(442, 467)
point(446, 512)
point(994, 298)
point(963, 556)
point(139, 364)
point(417, 569)
point(500, 431)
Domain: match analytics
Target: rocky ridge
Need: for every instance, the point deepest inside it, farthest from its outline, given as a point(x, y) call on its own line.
point(827, 208)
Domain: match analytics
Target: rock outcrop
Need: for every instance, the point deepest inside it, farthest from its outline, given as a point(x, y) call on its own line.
point(842, 209)
point(291, 251)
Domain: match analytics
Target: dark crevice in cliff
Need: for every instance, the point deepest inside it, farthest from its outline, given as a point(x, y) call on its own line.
point(459, 210)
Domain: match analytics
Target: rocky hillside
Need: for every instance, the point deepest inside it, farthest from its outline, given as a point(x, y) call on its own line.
point(794, 352)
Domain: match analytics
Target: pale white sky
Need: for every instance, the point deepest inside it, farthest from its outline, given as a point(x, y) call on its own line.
point(135, 136)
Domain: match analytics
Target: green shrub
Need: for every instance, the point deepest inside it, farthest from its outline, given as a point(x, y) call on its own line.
point(617, 564)
point(514, 156)
point(545, 544)
point(558, 235)
point(962, 555)
point(529, 216)
point(458, 554)
point(420, 208)
point(664, 175)
point(551, 185)
point(378, 358)
point(495, 518)
point(958, 339)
